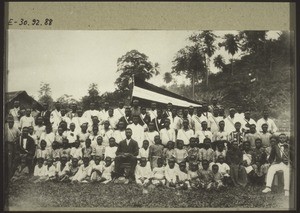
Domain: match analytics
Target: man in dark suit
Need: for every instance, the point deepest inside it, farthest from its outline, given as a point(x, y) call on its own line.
point(127, 118)
point(127, 152)
point(280, 161)
point(26, 148)
point(45, 114)
point(159, 121)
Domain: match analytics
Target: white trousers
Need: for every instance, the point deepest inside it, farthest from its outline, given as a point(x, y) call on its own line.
point(279, 167)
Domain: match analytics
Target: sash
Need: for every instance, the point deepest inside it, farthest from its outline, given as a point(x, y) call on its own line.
point(186, 135)
point(121, 112)
point(215, 121)
point(230, 120)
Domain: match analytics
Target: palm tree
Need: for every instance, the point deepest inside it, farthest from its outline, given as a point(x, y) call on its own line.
point(219, 62)
point(168, 77)
point(231, 46)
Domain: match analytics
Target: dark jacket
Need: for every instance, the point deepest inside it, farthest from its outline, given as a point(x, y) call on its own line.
point(46, 116)
point(158, 124)
point(275, 155)
point(131, 148)
point(30, 146)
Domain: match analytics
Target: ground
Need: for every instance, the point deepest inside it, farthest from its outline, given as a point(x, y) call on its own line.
point(50, 194)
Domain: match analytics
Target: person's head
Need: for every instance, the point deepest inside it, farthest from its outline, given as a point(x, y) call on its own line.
point(72, 126)
point(214, 102)
point(185, 123)
point(135, 119)
point(235, 144)
point(83, 127)
point(143, 162)
point(273, 140)
point(265, 113)
point(193, 142)
point(57, 106)
point(264, 127)
point(86, 161)
point(16, 104)
point(169, 106)
point(63, 125)
point(170, 145)
point(247, 114)
point(49, 162)
point(180, 144)
point(79, 112)
point(54, 145)
point(99, 140)
point(185, 112)
point(216, 111)
point(221, 111)
point(204, 125)
point(221, 159)
point(92, 106)
point(95, 130)
point(97, 159)
point(30, 130)
point(43, 144)
point(199, 111)
point(204, 107)
point(110, 112)
point(10, 121)
point(121, 125)
point(88, 142)
point(231, 112)
point(221, 125)
point(60, 130)
point(74, 162)
point(258, 143)
point(121, 104)
point(145, 144)
point(239, 109)
point(220, 146)
point(157, 139)
point(237, 126)
point(95, 120)
point(128, 133)
point(65, 143)
point(39, 120)
point(63, 112)
point(45, 106)
point(205, 164)
point(207, 143)
point(171, 163)
point(108, 161)
point(215, 168)
point(282, 138)
point(160, 162)
point(191, 110)
point(174, 111)
point(153, 106)
point(106, 105)
point(167, 122)
point(106, 125)
point(143, 110)
point(76, 144)
point(246, 145)
point(73, 107)
point(182, 166)
point(194, 166)
point(40, 162)
point(159, 112)
point(252, 128)
point(135, 103)
point(112, 141)
point(127, 111)
point(25, 132)
point(28, 112)
point(63, 160)
point(48, 129)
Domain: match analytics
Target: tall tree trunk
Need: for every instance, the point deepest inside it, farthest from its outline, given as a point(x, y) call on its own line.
point(232, 65)
point(193, 86)
point(207, 73)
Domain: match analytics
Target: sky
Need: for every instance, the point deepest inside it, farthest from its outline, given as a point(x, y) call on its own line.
point(71, 60)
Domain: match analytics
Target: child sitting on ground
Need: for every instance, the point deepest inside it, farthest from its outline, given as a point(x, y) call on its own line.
point(205, 176)
point(224, 169)
point(193, 175)
point(171, 173)
point(155, 151)
point(55, 153)
point(65, 148)
point(22, 171)
point(143, 172)
point(50, 173)
point(39, 170)
point(217, 181)
point(158, 173)
point(84, 172)
point(71, 170)
point(87, 150)
point(108, 170)
point(110, 151)
point(180, 153)
point(97, 169)
point(183, 178)
point(42, 152)
point(62, 168)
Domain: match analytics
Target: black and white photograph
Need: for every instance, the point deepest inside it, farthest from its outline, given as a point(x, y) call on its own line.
point(154, 119)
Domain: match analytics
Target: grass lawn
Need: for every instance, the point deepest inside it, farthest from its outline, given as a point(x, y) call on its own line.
point(50, 194)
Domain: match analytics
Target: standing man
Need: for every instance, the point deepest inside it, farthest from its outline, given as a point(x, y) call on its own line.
point(15, 112)
point(89, 114)
point(71, 114)
point(11, 135)
point(34, 111)
point(45, 114)
point(137, 131)
point(55, 117)
point(272, 128)
point(230, 121)
point(27, 120)
point(120, 111)
point(213, 105)
point(104, 112)
point(247, 122)
point(135, 110)
point(153, 111)
point(127, 152)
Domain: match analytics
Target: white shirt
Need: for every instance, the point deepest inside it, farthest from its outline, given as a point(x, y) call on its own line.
point(76, 152)
point(171, 173)
point(55, 118)
point(143, 172)
point(39, 130)
point(229, 124)
point(40, 171)
point(26, 121)
point(49, 138)
point(127, 142)
point(113, 121)
point(271, 125)
point(239, 116)
point(67, 120)
point(78, 121)
point(110, 152)
point(108, 170)
point(196, 122)
point(175, 123)
point(214, 123)
point(185, 135)
point(203, 134)
point(103, 115)
point(137, 133)
point(167, 135)
point(119, 135)
point(106, 135)
point(143, 153)
point(153, 114)
point(119, 113)
point(244, 122)
point(71, 136)
point(89, 113)
point(50, 171)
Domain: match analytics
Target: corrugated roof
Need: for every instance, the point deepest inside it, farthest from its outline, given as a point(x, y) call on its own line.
point(11, 95)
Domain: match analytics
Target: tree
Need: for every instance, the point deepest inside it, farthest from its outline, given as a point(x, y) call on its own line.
point(92, 97)
point(45, 94)
point(134, 63)
point(219, 62)
point(168, 77)
point(206, 40)
point(190, 62)
point(66, 100)
point(231, 46)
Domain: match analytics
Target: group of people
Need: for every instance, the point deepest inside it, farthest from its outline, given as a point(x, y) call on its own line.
point(186, 147)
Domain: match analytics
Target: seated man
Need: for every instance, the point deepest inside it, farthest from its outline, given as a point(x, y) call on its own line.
point(127, 151)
